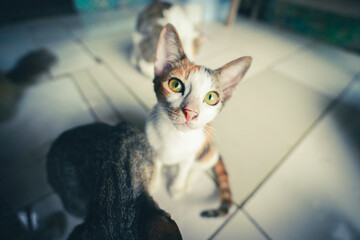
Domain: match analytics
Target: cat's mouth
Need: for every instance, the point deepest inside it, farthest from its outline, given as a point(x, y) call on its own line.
point(185, 126)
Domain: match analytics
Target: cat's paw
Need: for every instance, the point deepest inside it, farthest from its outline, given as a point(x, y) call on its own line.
point(176, 192)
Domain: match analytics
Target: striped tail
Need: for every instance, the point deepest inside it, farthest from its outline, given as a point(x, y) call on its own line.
point(225, 193)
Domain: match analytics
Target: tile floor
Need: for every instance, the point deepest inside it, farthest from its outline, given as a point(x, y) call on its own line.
point(290, 135)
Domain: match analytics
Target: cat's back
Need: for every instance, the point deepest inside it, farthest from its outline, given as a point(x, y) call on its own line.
point(89, 145)
point(79, 143)
point(147, 22)
point(77, 156)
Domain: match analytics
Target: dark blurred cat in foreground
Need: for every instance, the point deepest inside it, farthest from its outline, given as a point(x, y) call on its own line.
point(102, 173)
point(27, 70)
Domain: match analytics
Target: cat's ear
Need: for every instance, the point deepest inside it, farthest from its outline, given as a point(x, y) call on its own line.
point(169, 50)
point(231, 74)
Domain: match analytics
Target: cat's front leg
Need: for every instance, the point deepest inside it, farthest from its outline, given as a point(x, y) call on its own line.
point(178, 186)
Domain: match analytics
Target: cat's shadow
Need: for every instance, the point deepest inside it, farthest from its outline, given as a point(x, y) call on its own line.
point(26, 72)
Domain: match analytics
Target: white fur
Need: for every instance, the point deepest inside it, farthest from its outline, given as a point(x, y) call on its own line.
point(172, 146)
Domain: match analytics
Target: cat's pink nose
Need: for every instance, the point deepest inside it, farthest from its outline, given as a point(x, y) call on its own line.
point(190, 114)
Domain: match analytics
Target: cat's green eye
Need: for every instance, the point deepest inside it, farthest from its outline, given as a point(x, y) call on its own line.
point(212, 98)
point(176, 85)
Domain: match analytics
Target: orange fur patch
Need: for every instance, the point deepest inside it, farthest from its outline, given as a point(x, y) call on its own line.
point(223, 181)
point(184, 69)
point(208, 149)
point(178, 72)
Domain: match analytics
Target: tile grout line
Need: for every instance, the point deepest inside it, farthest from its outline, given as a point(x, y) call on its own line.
point(259, 228)
point(84, 98)
point(271, 66)
point(224, 223)
point(329, 108)
point(104, 63)
point(106, 97)
point(142, 104)
point(287, 56)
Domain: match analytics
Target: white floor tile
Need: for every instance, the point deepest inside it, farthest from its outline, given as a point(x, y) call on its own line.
point(95, 25)
point(218, 38)
point(115, 45)
point(239, 227)
point(97, 99)
point(265, 44)
point(44, 112)
point(215, 62)
point(98, 30)
point(315, 193)
point(325, 69)
point(72, 56)
point(121, 98)
point(186, 211)
point(261, 122)
point(115, 52)
point(271, 48)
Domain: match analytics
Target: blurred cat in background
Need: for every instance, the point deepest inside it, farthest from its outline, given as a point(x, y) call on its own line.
point(189, 98)
point(149, 24)
point(27, 70)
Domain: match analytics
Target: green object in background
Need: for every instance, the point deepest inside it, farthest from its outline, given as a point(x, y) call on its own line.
point(86, 5)
point(98, 5)
point(325, 26)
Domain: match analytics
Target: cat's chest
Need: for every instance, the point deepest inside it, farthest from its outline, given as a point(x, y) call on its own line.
point(176, 143)
point(173, 146)
point(177, 147)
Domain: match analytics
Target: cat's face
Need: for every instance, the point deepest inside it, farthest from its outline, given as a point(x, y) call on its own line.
point(192, 95)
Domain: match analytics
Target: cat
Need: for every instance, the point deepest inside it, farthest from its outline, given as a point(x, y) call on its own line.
point(189, 97)
point(149, 25)
point(102, 174)
point(27, 70)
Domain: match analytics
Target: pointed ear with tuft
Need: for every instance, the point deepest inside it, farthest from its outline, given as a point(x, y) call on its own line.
point(169, 50)
point(231, 74)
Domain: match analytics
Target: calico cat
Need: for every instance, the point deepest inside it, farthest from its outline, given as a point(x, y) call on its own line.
point(25, 73)
point(189, 97)
point(149, 25)
point(102, 173)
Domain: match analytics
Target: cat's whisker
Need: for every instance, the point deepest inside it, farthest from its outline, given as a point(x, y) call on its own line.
point(212, 131)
